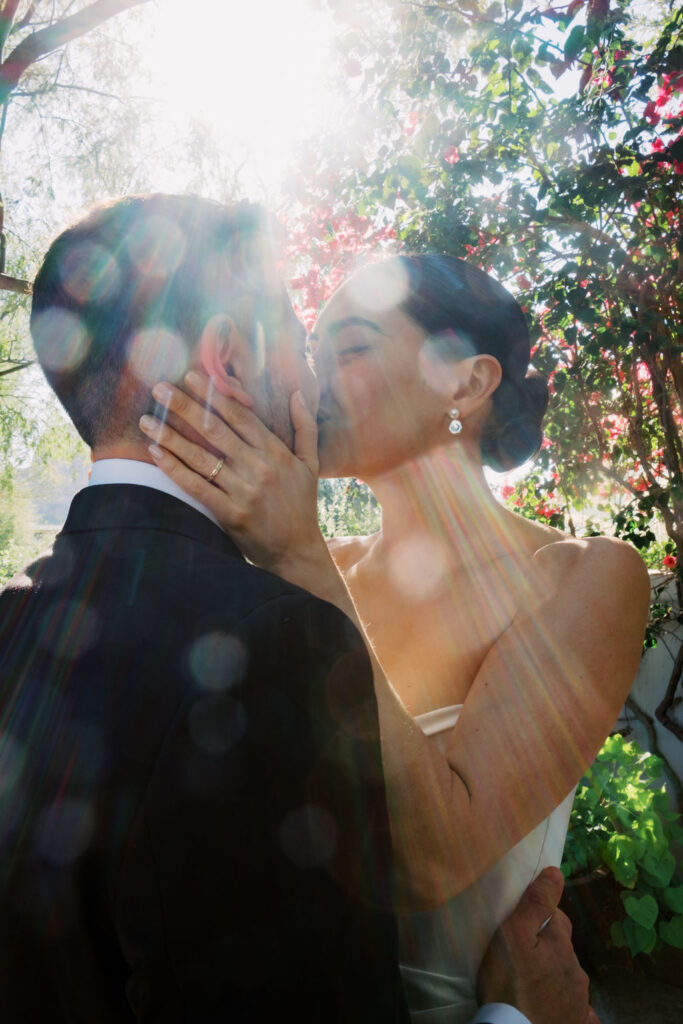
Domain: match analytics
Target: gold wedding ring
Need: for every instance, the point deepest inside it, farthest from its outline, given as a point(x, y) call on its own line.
point(216, 470)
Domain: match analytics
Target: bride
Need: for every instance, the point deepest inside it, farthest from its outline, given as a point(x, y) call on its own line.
point(508, 647)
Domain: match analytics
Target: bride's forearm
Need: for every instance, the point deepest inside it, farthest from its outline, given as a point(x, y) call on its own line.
point(435, 843)
point(314, 570)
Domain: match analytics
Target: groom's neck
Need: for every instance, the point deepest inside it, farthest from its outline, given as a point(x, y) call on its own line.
point(136, 451)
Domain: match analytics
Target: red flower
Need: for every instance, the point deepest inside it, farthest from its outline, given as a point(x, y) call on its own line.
point(451, 155)
point(507, 491)
point(669, 561)
point(410, 123)
point(650, 114)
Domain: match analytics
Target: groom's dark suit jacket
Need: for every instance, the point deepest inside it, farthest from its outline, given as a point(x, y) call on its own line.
point(192, 815)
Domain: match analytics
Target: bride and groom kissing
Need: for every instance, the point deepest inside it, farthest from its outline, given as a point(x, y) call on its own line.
point(197, 819)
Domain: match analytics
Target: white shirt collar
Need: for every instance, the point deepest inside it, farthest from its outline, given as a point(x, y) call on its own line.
point(131, 471)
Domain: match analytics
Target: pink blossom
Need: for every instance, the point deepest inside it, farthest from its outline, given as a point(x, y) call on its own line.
point(650, 114)
point(410, 123)
point(451, 155)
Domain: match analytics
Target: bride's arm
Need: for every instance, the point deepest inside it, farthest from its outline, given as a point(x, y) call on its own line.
point(541, 703)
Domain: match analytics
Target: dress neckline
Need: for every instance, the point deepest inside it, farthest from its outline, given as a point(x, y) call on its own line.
point(439, 719)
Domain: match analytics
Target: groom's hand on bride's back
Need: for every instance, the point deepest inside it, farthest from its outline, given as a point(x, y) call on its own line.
point(531, 964)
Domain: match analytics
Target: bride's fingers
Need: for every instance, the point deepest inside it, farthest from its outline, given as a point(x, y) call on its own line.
point(236, 476)
point(234, 418)
point(305, 432)
point(193, 455)
point(217, 392)
point(218, 501)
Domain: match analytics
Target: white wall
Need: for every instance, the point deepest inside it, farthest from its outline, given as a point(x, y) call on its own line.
point(651, 683)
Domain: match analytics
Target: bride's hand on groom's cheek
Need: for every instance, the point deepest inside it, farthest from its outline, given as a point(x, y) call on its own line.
point(262, 494)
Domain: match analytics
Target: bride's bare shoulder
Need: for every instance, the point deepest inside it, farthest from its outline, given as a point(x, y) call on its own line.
point(579, 563)
point(596, 565)
point(348, 551)
point(592, 551)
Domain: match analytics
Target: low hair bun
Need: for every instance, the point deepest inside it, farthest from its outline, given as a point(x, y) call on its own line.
point(513, 432)
point(464, 310)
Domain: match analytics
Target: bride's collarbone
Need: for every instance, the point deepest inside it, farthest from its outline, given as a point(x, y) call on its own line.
point(431, 650)
point(432, 639)
point(487, 594)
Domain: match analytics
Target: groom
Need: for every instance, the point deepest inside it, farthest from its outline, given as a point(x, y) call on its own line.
point(192, 814)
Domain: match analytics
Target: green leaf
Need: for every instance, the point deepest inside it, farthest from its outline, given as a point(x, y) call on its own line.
point(624, 816)
point(559, 382)
point(574, 43)
point(617, 934)
point(619, 855)
point(638, 938)
point(660, 866)
point(672, 931)
point(410, 166)
point(673, 898)
point(644, 910)
point(544, 55)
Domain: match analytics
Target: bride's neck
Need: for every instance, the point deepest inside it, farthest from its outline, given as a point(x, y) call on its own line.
point(443, 496)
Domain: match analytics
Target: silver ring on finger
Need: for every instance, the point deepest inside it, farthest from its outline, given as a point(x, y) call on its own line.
point(216, 470)
point(545, 924)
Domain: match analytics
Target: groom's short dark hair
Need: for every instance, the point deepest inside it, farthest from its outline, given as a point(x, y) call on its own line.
point(131, 287)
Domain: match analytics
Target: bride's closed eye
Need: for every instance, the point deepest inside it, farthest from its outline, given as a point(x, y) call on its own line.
point(344, 354)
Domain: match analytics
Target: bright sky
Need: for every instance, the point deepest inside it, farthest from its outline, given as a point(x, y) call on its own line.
point(255, 73)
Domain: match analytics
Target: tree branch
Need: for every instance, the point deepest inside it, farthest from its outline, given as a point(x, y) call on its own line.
point(16, 367)
point(662, 709)
point(612, 474)
point(15, 284)
point(29, 94)
point(45, 40)
point(26, 20)
point(7, 14)
point(588, 229)
point(637, 434)
point(654, 748)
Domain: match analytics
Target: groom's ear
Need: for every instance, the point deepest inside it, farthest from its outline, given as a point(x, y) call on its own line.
point(226, 356)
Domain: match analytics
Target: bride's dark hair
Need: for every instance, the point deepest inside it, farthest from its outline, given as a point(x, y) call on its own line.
point(464, 310)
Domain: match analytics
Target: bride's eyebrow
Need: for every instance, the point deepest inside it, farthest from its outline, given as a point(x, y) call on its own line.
point(352, 321)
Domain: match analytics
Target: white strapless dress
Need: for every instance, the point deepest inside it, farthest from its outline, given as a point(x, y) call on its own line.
point(441, 949)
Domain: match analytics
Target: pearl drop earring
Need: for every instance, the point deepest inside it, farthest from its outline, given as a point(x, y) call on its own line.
point(455, 426)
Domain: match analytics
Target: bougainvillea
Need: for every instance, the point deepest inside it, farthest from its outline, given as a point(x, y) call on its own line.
point(546, 146)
